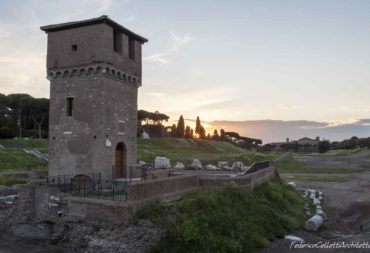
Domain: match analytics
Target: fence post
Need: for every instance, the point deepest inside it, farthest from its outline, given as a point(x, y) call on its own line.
point(130, 173)
point(125, 189)
point(84, 188)
point(79, 187)
point(106, 192)
point(113, 189)
point(64, 182)
point(98, 188)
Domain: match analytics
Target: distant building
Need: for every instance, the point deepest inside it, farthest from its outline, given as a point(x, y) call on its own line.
point(303, 145)
point(306, 140)
point(94, 68)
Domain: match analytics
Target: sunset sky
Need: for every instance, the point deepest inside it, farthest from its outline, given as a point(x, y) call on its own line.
point(221, 60)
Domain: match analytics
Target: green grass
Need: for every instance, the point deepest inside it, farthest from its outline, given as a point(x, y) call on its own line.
point(342, 152)
point(207, 151)
point(176, 148)
point(14, 159)
point(291, 165)
point(8, 181)
point(182, 150)
point(328, 179)
point(227, 220)
point(39, 144)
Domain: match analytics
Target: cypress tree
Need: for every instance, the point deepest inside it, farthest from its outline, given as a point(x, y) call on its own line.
point(180, 130)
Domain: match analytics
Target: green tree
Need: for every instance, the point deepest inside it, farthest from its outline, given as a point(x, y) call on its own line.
point(222, 135)
point(197, 126)
point(202, 133)
point(180, 129)
point(20, 105)
point(215, 135)
point(173, 131)
point(323, 146)
point(39, 114)
point(188, 132)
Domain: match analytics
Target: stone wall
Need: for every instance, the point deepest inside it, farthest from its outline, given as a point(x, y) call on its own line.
point(38, 204)
point(104, 110)
point(103, 84)
point(143, 193)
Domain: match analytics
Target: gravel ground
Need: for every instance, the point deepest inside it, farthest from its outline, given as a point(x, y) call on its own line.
point(347, 204)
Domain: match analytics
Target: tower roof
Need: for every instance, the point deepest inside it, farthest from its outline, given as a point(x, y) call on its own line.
point(93, 21)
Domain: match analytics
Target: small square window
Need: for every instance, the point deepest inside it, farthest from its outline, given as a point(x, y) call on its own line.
point(74, 48)
point(69, 106)
point(131, 49)
point(117, 41)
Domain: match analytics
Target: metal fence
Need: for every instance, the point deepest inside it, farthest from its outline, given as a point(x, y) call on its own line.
point(91, 186)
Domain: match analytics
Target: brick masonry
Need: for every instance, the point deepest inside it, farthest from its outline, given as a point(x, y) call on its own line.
point(84, 64)
point(140, 194)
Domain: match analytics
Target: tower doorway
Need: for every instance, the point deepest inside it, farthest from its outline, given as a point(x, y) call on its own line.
point(121, 160)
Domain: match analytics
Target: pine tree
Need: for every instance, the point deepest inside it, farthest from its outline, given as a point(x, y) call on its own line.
point(215, 136)
point(197, 126)
point(222, 136)
point(180, 127)
point(202, 133)
point(173, 131)
point(192, 133)
point(187, 132)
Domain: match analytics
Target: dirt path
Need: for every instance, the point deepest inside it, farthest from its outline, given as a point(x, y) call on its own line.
point(346, 203)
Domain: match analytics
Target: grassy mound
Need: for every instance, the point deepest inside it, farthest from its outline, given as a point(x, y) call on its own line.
point(8, 181)
point(176, 149)
point(14, 159)
point(39, 144)
point(207, 151)
point(228, 219)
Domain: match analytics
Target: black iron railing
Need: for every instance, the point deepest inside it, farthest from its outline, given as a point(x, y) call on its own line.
point(91, 186)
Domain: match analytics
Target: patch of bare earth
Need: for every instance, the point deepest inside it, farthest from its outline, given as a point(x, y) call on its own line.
point(346, 203)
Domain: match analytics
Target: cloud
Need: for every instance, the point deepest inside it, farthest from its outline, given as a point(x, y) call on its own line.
point(157, 58)
point(179, 40)
point(6, 30)
point(156, 94)
point(278, 130)
point(364, 122)
point(104, 5)
point(289, 107)
point(195, 71)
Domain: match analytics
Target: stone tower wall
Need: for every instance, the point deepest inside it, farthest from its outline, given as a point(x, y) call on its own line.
point(103, 83)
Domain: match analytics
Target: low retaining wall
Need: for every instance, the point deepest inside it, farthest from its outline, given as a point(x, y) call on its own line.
point(47, 204)
point(247, 182)
point(143, 193)
point(82, 209)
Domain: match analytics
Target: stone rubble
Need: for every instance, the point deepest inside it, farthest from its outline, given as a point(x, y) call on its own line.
point(211, 167)
point(238, 166)
point(196, 164)
point(223, 164)
point(162, 163)
point(179, 166)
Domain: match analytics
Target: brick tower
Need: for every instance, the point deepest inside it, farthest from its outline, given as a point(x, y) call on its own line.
point(94, 68)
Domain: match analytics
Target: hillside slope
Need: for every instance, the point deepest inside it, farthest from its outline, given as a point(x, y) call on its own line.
point(176, 149)
point(186, 149)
